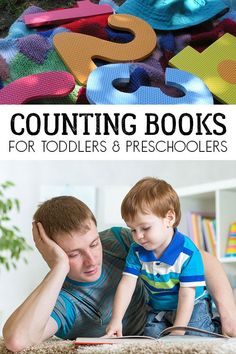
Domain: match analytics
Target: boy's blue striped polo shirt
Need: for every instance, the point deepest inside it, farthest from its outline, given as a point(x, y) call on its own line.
point(180, 265)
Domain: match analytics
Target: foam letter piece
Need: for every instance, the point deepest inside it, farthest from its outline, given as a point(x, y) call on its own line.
point(77, 50)
point(216, 66)
point(28, 88)
point(104, 2)
point(100, 89)
point(85, 8)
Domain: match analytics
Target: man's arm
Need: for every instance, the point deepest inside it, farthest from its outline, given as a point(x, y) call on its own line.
point(31, 323)
point(221, 291)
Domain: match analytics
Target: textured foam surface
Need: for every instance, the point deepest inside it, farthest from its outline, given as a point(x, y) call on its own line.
point(216, 66)
point(85, 9)
point(78, 50)
point(48, 84)
point(100, 88)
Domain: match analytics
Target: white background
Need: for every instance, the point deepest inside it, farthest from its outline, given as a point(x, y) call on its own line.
point(140, 122)
point(110, 175)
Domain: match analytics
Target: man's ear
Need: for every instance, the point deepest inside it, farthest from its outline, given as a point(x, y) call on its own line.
point(170, 218)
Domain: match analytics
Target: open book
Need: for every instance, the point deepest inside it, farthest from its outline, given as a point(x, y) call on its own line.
point(141, 339)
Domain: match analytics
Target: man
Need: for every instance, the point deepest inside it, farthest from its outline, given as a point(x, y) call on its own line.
point(75, 298)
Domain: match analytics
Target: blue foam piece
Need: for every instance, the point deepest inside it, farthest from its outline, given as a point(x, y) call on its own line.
point(100, 88)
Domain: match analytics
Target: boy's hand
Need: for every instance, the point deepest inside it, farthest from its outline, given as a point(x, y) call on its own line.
point(114, 329)
point(51, 252)
point(177, 333)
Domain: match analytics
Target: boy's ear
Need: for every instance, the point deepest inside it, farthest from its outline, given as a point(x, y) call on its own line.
point(170, 216)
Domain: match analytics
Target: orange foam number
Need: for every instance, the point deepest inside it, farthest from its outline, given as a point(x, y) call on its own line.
point(28, 88)
point(85, 9)
point(78, 50)
point(216, 66)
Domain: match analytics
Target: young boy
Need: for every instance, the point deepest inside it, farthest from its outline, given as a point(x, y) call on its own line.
point(168, 262)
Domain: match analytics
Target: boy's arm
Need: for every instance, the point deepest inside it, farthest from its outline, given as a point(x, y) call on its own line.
point(185, 308)
point(31, 322)
point(122, 300)
point(221, 291)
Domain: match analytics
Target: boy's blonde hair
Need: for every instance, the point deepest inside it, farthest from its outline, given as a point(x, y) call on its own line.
point(151, 195)
point(64, 214)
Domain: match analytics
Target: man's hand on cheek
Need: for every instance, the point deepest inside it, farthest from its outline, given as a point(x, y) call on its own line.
point(53, 254)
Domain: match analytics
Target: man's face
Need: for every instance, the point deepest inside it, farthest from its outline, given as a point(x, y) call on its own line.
point(84, 251)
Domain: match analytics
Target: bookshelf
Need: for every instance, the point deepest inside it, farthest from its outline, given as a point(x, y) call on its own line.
point(216, 197)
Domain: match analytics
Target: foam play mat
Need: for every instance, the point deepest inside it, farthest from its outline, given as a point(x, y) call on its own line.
point(91, 38)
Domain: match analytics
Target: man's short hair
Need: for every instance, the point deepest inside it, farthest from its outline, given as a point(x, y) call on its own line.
point(151, 195)
point(64, 214)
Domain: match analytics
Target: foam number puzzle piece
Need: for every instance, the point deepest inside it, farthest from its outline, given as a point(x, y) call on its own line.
point(84, 8)
point(78, 50)
point(104, 2)
point(100, 89)
point(216, 66)
point(28, 88)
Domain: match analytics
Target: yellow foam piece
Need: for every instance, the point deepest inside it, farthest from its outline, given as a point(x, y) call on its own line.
point(78, 50)
point(216, 66)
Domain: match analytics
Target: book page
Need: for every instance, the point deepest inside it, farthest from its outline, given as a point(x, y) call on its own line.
point(113, 340)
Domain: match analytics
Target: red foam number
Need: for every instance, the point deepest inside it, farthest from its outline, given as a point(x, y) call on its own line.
point(85, 8)
point(28, 88)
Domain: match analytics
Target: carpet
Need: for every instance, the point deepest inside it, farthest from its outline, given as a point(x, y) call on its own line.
point(165, 346)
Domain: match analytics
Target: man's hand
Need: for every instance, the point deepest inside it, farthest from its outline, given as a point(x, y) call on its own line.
point(31, 322)
point(51, 252)
point(114, 329)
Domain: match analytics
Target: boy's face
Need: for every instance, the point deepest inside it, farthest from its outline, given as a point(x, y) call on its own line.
point(84, 250)
point(151, 232)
